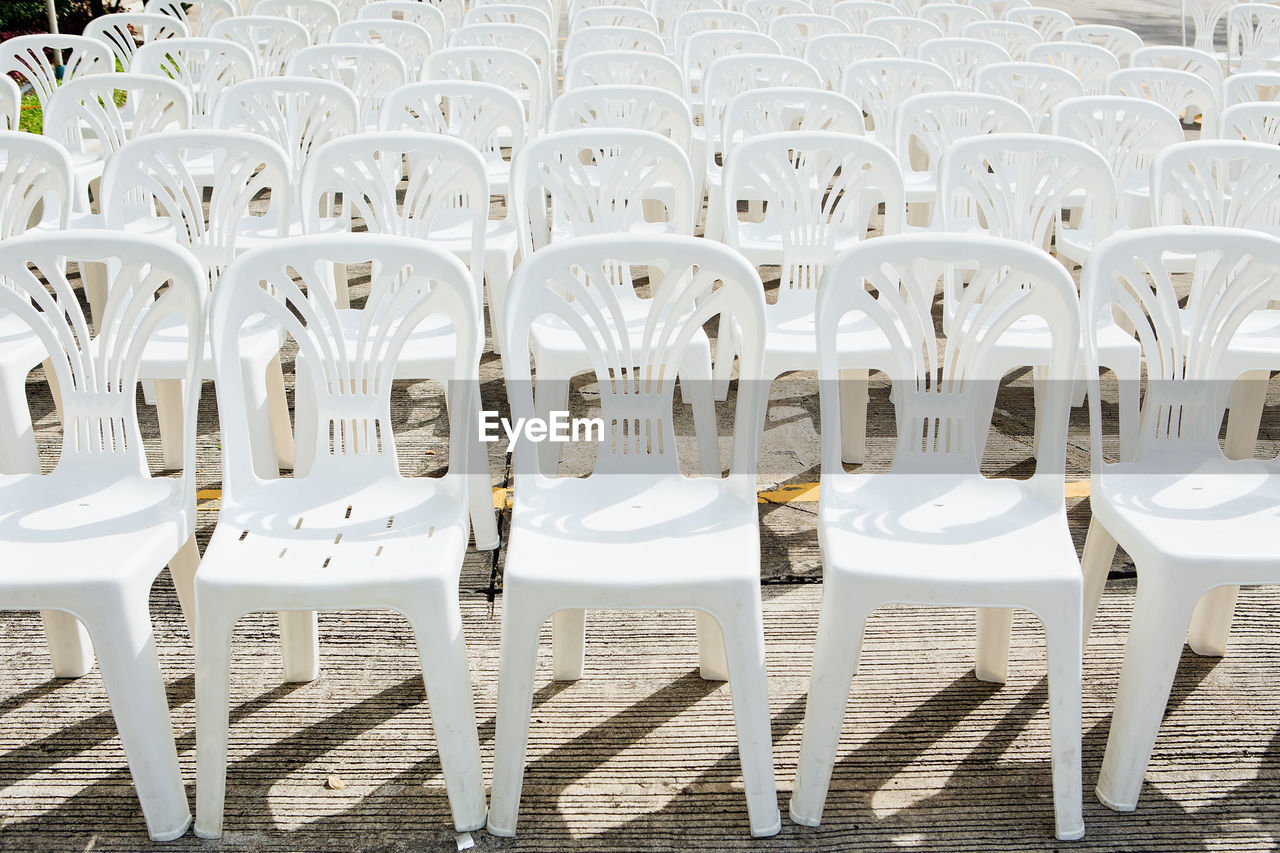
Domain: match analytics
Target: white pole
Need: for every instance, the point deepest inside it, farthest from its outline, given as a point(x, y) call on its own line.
point(53, 28)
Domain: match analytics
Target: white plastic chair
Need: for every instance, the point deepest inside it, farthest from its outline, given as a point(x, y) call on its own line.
point(1118, 41)
point(204, 67)
point(625, 106)
point(1194, 521)
point(1185, 94)
point(794, 32)
point(600, 39)
point(1204, 65)
point(1224, 183)
point(369, 71)
point(1052, 24)
point(509, 13)
point(1206, 16)
point(1258, 121)
point(511, 69)
point(951, 18)
point(615, 16)
point(1253, 37)
point(526, 40)
point(831, 55)
point(856, 13)
point(697, 21)
point(765, 11)
point(1129, 133)
point(704, 48)
point(411, 42)
point(171, 173)
point(122, 31)
point(929, 124)
point(320, 17)
point(564, 530)
point(1247, 86)
point(273, 41)
point(86, 117)
point(907, 33)
point(1015, 38)
point(429, 15)
point(667, 11)
point(204, 12)
point(987, 7)
point(353, 532)
point(100, 518)
point(10, 104)
point(1092, 64)
point(27, 58)
point(1034, 86)
point(624, 67)
point(881, 533)
point(962, 58)
point(880, 86)
point(820, 192)
point(576, 6)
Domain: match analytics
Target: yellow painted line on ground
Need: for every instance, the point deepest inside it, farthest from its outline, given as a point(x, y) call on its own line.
point(800, 493)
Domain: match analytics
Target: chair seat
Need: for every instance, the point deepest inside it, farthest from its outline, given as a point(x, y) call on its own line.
point(166, 351)
point(761, 242)
point(67, 528)
point(961, 539)
point(623, 534)
point(21, 348)
point(552, 336)
point(428, 353)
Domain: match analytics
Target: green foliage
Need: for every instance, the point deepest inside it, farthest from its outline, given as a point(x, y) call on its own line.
point(31, 16)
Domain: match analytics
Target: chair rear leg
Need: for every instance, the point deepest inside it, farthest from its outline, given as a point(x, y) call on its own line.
point(517, 661)
point(992, 658)
point(1063, 636)
point(713, 665)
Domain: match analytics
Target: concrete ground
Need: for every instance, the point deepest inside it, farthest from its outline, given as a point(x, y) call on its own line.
point(641, 754)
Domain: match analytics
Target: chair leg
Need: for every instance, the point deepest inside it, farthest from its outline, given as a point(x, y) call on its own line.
point(484, 521)
point(70, 648)
point(131, 673)
point(300, 645)
point(1161, 614)
point(261, 441)
point(1128, 383)
point(278, 408)
point(835, 660)
point(18, 454)
point(341, 286)
point(748, 684)
point(94, 278)
point(722, 370)
point(182, 570)
point(992, 659)
point(442, 650)
point(169, 414)
point(695, 383)
point(305, 428)
point(55, 388)
point(497, 275)
point(1099, 551)
point(550, 394)
point(568, 644)
point(517, 660)
point(713, 665)
point(1211, 621)
point(213, 699)
point(1063, 637)
point(853, 416)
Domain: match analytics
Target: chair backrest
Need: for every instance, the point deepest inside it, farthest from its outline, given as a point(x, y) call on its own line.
point(527, 40)
point(509, 13)
point(729, 76)
point(444, 177)
point(1249, 86)
point(149, 281)
point(667, 11)
point(987, 7)
point(635, 107)
point(596, 181)
point(597, 39)
point(703, 49)
point(350, 380)
point(1258, 121)
point(795, 32)
point(203, 12)
point(511, 69)
point(411, 42)
point(1052, 24)
point(616, 16)
point(907, 33)
point(624, 67)
point(1036, 87)
point(856, 13)
point(951, 18)
point(369, 71)
point(320, 17)
point(486, 116)
point(27, 57)
point(90, 116)
point(273, 41)
point(550, 8)
point(831, 55)
point(1253, 36)
point(962, 58)
point(1181, 91)
point(820, 190)
point(297, 113)
point(934, 121)
point(1187, 352)
point(575, 285)
point(1230, 183)
point(1090, 63)
point(776, 109)
point(10, 103)
point(428, 15)
point(1015, 38)
point(122, 31)
point(204, 67)
point(35, 178)
point(1127, 132)
point(943, 402)
point(689, 24)
point(1118, 41)
point(765, 11)
point(1204, 65)
point(576, 7)
point(170, 173)
point(880, 86)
